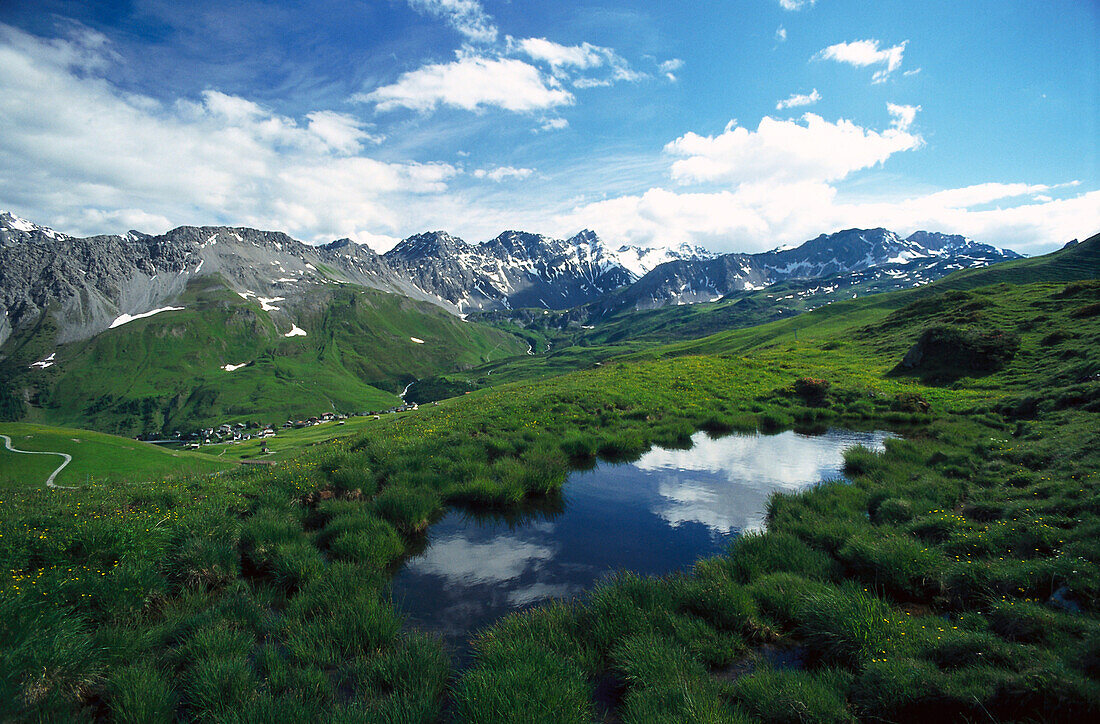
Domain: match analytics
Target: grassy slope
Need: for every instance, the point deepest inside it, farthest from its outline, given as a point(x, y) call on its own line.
point(164, 372)
point(921, 588)
point(96, 457)
point(745, 322)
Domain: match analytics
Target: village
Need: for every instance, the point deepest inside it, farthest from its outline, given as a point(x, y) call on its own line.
point(245, 431)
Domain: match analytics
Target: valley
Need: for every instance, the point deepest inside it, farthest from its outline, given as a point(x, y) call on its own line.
point(953, 569)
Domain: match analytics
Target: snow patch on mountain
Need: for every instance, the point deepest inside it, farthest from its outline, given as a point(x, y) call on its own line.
point(126, 318)
point(44, 362)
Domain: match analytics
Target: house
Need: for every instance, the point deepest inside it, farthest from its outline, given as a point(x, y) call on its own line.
point(327, 416)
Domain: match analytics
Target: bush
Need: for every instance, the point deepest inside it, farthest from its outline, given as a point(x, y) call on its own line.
point(944, 353)
point(813, 392)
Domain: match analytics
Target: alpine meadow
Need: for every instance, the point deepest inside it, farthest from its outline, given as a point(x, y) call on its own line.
point(793, 418)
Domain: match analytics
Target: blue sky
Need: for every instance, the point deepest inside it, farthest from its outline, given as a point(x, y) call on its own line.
point(736, 125)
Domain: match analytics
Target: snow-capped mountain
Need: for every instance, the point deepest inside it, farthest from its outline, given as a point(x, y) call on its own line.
point(91, 283)
point(516, 269)
point(920, 258)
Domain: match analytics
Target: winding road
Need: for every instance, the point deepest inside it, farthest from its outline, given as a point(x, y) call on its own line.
point(49, 480)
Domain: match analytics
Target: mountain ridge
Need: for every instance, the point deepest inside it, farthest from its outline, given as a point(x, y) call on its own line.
point(89, 283)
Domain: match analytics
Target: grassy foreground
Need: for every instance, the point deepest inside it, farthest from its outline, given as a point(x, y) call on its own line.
point(955, 577)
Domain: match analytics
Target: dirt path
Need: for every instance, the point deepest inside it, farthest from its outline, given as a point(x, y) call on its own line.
point(49, 481)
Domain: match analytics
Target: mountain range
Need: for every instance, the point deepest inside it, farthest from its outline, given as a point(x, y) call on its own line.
point(143, 334)
point(92, 283)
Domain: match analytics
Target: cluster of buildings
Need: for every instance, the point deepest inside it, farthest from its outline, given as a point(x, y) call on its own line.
point(240, 432)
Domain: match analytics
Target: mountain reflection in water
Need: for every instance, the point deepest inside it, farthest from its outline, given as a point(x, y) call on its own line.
point(657, 514)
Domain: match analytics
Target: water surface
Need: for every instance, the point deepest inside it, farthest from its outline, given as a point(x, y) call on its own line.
point(658, 514)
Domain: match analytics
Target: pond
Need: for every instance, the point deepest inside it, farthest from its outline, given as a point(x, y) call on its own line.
point(655, 515)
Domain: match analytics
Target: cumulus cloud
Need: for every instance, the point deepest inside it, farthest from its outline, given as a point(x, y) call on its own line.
point(468, 17)
point(780, 34)
point(796, 4)
point(472, 83)
point(864, 53)
point(903, 115)
point(796, 100)
point(778, 186)
point(757, 217)
point(811, 150)
point(89, 158)
point(502, 173)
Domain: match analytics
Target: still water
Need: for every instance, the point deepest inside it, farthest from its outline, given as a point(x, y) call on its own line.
point(657, 514)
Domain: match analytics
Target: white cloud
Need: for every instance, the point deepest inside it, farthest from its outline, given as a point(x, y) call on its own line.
point(757, 217)
point(864, 53)
point(787, 151)
point(669, 68)
point(796, 100)
point(553, 124)
point(780, 34)
point(464, 562)
point(340, 132)
point(565, 60)
point(903, 115)
point(468, 17)
point(472, 83)
point(93, 159)
point(780, 188)
point(796, 4)
point(501, 173)
point(558, 56)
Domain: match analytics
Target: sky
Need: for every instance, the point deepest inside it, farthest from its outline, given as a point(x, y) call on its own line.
point(738, 125)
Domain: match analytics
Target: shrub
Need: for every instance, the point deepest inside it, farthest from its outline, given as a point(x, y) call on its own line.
point(813, 392)
point(944, 353)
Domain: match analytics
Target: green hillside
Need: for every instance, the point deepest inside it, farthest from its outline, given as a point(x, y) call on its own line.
point(166, 372)
point(96, 458)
